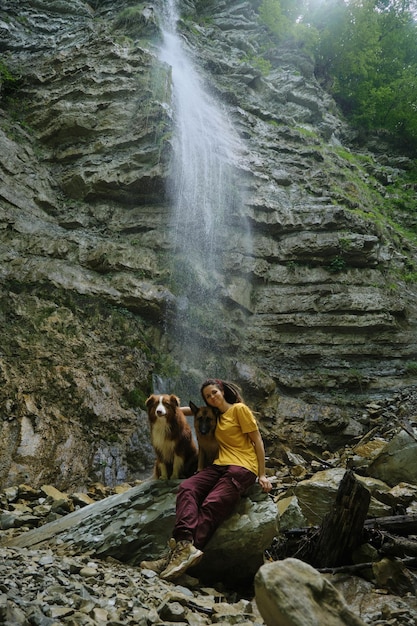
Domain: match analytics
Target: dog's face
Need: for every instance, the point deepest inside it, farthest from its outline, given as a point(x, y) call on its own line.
point(161, 405)
point(205, 419)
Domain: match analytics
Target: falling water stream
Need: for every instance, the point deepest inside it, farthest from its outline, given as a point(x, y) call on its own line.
point(203, 194)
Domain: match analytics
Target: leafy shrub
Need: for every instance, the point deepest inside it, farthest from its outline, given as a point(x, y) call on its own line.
point(337, 264)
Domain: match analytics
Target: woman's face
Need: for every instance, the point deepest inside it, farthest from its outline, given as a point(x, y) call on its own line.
point(213, 395)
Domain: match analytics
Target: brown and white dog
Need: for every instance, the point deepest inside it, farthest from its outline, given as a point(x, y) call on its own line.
point(205, 421)
point(171, 436)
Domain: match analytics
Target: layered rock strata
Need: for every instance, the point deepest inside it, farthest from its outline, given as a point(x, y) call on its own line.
point(316, 317)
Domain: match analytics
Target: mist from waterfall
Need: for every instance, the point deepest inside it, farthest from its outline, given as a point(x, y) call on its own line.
point(204, 194)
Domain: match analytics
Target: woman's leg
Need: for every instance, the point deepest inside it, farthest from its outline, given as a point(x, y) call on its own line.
point(191, 493)
point(220, 502)
point(203, 502)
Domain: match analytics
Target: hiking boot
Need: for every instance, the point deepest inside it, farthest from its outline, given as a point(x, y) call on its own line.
point(160, 564)
point(184, 556)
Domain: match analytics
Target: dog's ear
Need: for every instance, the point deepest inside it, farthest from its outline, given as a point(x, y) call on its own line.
point(150, 400)
point(175, 400)
point(193, 407)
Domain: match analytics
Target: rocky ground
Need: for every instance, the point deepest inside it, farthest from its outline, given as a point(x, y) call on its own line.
point(319, 313)
point(48, 587)
point(44, 588)
point(59, 585)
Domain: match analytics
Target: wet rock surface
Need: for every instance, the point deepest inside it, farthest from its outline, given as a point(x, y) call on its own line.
point(316, 321)
point(51, 542)
point(69, 584)
point(324, 315)
point(136, 525)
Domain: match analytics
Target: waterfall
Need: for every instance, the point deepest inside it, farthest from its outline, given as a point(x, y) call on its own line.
point(204, 196)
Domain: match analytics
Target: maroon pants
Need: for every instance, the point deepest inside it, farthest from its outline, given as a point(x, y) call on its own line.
point(205, 499)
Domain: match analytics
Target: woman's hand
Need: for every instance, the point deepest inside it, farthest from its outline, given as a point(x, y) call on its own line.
point(265, 483)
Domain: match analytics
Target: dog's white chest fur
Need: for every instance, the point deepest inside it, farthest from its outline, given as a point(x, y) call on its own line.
point(160, 436)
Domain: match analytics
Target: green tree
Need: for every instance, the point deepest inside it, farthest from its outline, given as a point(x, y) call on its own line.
point(280, 16)
point(367, 56)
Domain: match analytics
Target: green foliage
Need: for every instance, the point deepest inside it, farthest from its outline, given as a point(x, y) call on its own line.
point(263, 65)
point(367, 56)
point(306, 132)
point(136, 398)
point(130, 18)
point(5, 75)
point(344, 243)
point(337, 264)
point(280, 17)
point(166, 366)
point(270, 14)
point(410, 277)
point(411, 368)
point(356, 379)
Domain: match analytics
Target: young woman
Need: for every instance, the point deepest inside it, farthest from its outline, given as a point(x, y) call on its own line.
point(207, 498)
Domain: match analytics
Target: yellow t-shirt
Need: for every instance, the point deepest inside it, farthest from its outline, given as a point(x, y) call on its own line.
point(235, 445)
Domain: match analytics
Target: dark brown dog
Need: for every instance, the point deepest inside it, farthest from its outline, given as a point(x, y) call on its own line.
point(205, 420)
point(171, 436)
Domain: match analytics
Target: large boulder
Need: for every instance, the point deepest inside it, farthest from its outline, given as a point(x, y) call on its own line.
point(136, 525)
point(292, 593)
point(316, 495)
point(396, 461)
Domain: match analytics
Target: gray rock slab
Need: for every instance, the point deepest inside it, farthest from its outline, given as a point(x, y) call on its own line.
point(137, 524)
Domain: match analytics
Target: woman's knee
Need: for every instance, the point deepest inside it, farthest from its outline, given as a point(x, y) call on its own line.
point(241, 478)
point(185, 487)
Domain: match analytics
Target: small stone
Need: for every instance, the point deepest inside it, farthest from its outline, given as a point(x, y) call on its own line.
point(100, 615)
point(88, 572)
point(60, 611)
point(172, 612)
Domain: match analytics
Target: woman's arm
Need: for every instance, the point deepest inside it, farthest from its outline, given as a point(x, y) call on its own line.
point(255, 437)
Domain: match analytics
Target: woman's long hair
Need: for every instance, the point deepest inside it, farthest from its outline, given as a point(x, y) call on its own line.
point(232, 392)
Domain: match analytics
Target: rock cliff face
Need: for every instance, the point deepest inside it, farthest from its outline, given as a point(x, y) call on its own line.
point(313, 321)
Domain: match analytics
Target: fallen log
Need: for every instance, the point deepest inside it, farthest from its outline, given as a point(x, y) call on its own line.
point(358, 567)
point(398, 524)
point(397, 546)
